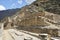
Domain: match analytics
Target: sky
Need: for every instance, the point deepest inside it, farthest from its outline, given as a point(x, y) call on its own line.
point(13, 4)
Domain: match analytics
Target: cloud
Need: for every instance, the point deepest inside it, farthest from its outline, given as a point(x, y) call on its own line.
point(2, 8)
point(20, 1)
point(29, 1)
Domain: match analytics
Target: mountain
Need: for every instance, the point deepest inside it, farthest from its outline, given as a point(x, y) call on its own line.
point(42, 16)
point(7, 13)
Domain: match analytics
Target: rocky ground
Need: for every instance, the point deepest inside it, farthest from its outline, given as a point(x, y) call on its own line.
point(12, 34)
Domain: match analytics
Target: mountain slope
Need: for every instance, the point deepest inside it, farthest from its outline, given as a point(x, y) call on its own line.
point(7, 13)
point(39, 17)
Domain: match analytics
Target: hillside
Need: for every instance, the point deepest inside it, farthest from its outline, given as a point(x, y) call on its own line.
point(52, 6)
point(39, 17)
point(7, 13)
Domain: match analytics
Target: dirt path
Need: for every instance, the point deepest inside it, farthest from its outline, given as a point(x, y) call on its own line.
point(7, 36)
